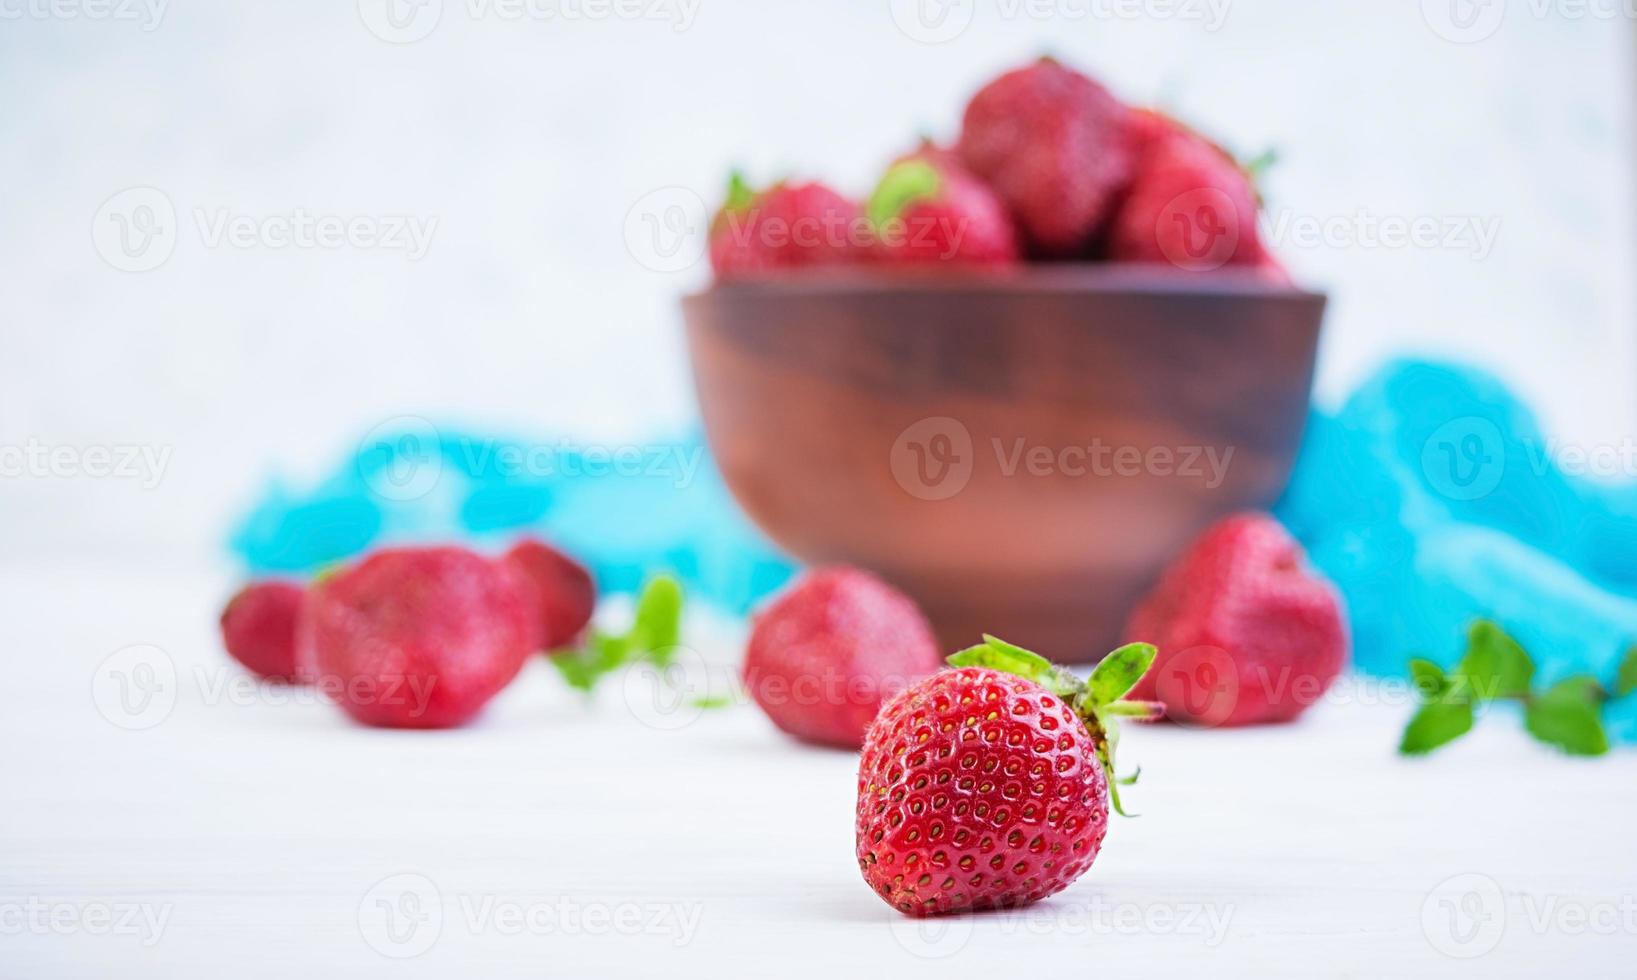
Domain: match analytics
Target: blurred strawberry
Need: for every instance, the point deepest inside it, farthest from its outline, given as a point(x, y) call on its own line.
point(824, 655)
point(1056, 147)
point(560, 594)
point(1191, 204)
point(930, 209)
point(419, 637)
point(259, 628)
point(788, 226)
point(1246, 632)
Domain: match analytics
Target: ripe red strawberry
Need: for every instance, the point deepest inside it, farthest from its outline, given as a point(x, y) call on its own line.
point(1191, 204)
point(989, 786)
point(419, 637)
point(1246, 632)
point(788, 226)
point(561, 594)
point(928, 209)
point(259, 628)
point(1056, 147)
point(824, 656)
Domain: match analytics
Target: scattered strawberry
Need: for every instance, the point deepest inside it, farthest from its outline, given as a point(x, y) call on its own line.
point(1191, 204)
point(259, 628)
point(787, 226)
point(561, 594)
point(989, 786)
point(420, 637)
point(1056, 147)
point(929, 209)
point(1246, 633)
point(824, 656)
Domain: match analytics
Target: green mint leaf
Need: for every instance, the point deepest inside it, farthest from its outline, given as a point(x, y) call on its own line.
point(1494, 666)
point(657, 627)
point(713, 703)
point(1625, 681)
point(1429, 678)
point(1437, 723)
point(1568, 716)
point(1120, 671)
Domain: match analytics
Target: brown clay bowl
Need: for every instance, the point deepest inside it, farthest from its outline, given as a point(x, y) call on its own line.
point(1022, 454)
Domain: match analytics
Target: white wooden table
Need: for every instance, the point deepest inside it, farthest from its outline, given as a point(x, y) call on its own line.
point(225, 835)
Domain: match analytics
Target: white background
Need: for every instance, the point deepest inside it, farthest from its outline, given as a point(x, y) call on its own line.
point(529, 141)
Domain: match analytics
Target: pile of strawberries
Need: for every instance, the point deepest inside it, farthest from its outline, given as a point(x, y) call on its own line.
point(1049, 167)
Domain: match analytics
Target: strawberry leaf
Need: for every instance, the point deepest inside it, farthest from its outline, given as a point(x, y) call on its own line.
point(997, 654)
point(904, 184)
point(1437, 724)
point(1120, 671)
point(740, 194)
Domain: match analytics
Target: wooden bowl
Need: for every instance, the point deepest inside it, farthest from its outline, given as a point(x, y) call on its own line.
point(1024, 453)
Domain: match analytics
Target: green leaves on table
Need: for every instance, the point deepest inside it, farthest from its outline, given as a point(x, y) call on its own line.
point(654, 636)
point(1495, 667)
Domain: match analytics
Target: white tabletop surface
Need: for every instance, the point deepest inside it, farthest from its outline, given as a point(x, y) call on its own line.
point(227, 835)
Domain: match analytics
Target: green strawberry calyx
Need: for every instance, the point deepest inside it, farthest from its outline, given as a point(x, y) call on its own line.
point(905, 184)
point(741, 196)
point(1099, 700)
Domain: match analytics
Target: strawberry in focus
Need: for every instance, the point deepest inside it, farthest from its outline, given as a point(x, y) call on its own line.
point(1247, 633)
point(420, 637)
point(259, 628)
point(928, 208)
point(561, 594)
point(1191, 204)
point(788, 226)
point(1056, 147)
point(823, 656)
point(989, 786)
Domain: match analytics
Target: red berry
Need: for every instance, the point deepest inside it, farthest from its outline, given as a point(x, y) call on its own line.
point(825, 655)
point(560, 594)
point(788, 226)
point(1246, 632)
point(977, 790)
point(1056, 147)
point(1191, 204)
point(929, 209)
point(419, 637)
point(259, 628)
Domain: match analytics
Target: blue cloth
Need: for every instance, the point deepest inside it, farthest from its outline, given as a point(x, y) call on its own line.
point(1432, 498)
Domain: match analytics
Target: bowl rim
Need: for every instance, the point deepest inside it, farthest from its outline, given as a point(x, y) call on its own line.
point(1083, 278)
